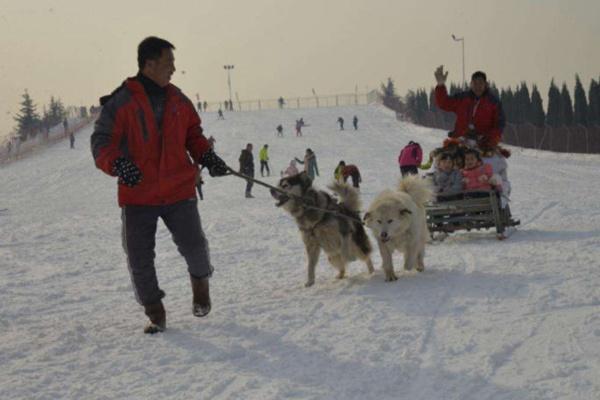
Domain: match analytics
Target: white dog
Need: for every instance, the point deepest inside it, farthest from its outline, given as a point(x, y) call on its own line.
point(398, 221)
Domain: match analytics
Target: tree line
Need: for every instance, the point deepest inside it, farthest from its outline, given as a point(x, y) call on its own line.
point(520, 104)
point(29, 121)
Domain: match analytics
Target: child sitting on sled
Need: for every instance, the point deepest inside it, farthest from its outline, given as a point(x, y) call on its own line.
point(476, 175)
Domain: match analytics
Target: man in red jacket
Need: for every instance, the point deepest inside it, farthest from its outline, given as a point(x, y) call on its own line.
point(147, 135)
point(479, 114)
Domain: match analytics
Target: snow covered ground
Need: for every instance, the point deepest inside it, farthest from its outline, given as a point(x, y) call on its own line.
point(518, 319)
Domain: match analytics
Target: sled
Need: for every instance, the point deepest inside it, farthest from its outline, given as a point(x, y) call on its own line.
point(466, 211)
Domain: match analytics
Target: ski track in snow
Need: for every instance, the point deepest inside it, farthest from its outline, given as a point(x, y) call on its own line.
point(518, 319)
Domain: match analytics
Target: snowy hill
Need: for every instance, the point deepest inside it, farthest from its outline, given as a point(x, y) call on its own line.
point(518, 319)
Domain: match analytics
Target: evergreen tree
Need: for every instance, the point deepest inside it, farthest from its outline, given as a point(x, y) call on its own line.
point(432, 105)
point(28, 120)
point(57, 112)
point(494, 90)
point(594, 105)
point(523, 104)
point(553, 116)
point(580, 112)
point(507, 99)
point(455, 89)
point(422, 104)
point(389, 97)
point(537, 107)
point(566, 106)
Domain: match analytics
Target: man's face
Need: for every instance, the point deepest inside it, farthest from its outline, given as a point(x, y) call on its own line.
point(478, 86)
point(161, 69)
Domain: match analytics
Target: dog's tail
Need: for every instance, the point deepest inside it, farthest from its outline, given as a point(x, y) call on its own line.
point(349, 197)
point(419, 189)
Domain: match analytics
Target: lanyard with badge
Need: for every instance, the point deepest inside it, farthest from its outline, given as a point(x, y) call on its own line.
point(475, 106)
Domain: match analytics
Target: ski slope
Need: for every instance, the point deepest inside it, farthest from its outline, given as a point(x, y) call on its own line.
point(518, 319)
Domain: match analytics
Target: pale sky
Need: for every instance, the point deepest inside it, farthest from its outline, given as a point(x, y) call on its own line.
point(79, 50)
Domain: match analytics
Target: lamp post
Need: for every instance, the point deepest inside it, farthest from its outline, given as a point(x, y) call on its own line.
point(229, 68)
point(462, 40)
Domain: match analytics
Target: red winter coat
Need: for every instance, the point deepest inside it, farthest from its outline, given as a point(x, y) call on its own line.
point(411, 155)
point(350, 170)
point(473, 180)
point(127, 127)
point(484, 113)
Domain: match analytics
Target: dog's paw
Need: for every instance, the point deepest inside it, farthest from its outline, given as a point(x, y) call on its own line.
point(421, 269)
point(309, 283)
point(340, 275)
point(391, 278)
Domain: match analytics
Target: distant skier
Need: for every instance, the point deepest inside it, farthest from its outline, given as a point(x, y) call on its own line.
point(199, 183)
point(291, 170)
point(340, 121)
point(72, 140)
point(299, 127)
point(410, 157)
point(279, 130)
point(355, 122)
point(220, 112)
point(343, 172)
point(199, 105)
point(281, 102)
point(205, 104)
point(263, 156)
point(310, 163)
point(247, 168)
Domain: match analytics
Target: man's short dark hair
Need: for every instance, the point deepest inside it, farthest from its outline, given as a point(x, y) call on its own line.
point(151, 49)
point(479, 75)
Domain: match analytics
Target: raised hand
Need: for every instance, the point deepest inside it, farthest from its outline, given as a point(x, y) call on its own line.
point(440, 76)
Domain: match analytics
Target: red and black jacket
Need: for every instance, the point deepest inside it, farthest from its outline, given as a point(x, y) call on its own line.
point(484, 113)
point(128, 128)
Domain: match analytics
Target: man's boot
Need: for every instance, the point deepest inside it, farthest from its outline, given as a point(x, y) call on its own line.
point(158, 318)
point(201, 303)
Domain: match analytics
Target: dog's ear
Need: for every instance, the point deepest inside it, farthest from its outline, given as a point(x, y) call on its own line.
point(404, 211)
point(367, 217)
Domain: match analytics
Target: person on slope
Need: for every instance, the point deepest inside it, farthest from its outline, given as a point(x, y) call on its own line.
point(310, 164)
point(145, 135)
point(479, 114)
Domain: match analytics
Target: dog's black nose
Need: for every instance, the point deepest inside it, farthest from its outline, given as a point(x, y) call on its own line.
point(384, 235)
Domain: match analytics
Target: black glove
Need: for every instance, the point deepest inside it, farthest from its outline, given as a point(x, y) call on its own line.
point(129, 174)
point(215, 165)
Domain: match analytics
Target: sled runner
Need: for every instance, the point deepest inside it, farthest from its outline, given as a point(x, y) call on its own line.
point(467, 211)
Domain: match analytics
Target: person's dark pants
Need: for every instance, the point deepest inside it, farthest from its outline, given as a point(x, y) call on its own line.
point(249, 183)
point(355, 180)
point(409, 170)
point(138, 235)
point(264, 165)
